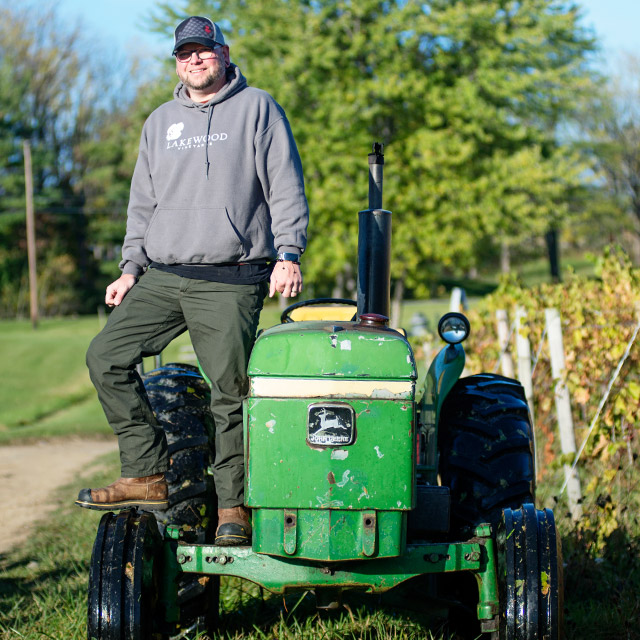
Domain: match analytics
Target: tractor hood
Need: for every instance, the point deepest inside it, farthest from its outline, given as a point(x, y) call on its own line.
point(332, 350)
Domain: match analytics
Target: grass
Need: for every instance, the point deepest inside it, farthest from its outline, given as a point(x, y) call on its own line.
point(43, 590)
point(43, 584)
point(45, 391)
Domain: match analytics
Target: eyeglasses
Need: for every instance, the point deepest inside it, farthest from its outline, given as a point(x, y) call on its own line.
point(204, 53)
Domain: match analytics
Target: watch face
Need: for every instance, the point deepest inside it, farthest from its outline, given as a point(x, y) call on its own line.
point(331, 425)
point(289, 257)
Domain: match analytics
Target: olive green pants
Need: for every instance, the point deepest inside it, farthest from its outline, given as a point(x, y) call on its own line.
point(222, 320)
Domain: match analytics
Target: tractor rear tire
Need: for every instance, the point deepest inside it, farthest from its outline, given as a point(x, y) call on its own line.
point(123, 577)
point(486, 449)
point(180, 399)
point(529, 575)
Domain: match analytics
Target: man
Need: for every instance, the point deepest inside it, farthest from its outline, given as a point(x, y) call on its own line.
point(216, 194)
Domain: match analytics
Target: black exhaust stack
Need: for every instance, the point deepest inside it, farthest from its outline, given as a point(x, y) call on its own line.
point(374, 244)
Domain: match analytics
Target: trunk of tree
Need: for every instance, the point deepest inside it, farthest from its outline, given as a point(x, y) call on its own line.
point(396, 303)
point(632, 240)
point(505, 257)
point(553, 250)
point(338, 287)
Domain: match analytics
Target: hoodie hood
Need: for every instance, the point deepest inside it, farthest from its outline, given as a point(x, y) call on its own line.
point(236, 82)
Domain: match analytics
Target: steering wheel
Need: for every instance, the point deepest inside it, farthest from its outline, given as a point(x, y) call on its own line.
point(286, 314)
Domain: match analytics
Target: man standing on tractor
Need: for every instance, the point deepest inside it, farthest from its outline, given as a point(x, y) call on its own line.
point(217, 193)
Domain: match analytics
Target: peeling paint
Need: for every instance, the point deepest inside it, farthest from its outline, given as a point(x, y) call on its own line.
point(314, 388)
point(345, 478)
point(377, 449)
point(345, 345)
point(270, 424)
point(334, 341)
point(326, 502)
point(375, 338)
point(339, 454)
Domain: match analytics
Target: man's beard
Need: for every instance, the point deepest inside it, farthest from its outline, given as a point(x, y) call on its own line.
point(207, 79)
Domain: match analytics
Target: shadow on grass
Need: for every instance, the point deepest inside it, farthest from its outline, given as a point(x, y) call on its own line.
point(24, 577)
point(602, 583)
point(247, 611)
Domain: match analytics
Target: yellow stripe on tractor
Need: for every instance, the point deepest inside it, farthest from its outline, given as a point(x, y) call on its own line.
point(327, 313)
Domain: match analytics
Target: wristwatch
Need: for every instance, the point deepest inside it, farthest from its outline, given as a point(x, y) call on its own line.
point(289, 257)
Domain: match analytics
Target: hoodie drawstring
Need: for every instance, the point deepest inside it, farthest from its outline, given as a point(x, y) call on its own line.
point(206, 144)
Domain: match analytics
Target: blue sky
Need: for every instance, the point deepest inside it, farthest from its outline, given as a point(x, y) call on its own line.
point(119, 23)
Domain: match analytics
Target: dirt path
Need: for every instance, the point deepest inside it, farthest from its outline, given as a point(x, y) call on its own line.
point(30, 474)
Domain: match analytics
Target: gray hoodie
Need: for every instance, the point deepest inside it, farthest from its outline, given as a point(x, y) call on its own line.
point(215, 183)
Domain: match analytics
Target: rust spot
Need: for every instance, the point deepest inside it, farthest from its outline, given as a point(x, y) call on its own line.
point(128, 571)
point(331, 478)
point(203, 581)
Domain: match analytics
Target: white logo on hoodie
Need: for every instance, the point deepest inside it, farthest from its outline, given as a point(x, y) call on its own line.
point(174, 131)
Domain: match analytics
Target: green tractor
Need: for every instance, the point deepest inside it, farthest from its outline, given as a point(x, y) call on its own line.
point(356, 480)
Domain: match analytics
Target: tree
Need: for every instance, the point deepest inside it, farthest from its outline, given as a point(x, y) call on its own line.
point(466, 95)
point(613, 125)
point(109, 158)
point(49, 97)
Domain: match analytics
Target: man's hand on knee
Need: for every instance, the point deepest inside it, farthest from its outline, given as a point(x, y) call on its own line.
point(117, 290)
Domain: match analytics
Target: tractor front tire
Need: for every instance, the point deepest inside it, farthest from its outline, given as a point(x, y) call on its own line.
point(486, 449)
point(529, 575)
point(124, 577)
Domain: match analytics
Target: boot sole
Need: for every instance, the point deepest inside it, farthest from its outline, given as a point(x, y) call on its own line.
point(232, 541)
point(150, 505)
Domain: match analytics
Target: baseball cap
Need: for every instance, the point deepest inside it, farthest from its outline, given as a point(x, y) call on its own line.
point(197, 29)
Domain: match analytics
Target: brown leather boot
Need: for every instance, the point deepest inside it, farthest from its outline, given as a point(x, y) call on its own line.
point(234, 528)
point(148, 493)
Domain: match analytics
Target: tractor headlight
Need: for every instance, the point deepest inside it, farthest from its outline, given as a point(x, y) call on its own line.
point(453, 327)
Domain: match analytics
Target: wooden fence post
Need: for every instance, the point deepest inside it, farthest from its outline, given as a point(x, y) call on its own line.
point(456, 301)
point(563, 409)
point(523, 349)
point(31, 234)
point(506, 362)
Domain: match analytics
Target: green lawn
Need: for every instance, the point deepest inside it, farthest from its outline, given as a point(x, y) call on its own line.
point(45, 389)
point(45, 392)
point(43, 591)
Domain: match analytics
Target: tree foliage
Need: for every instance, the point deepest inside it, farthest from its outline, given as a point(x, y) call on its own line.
point(466, 95)
point(612, 127)
point(599, 318)
point(49, 98)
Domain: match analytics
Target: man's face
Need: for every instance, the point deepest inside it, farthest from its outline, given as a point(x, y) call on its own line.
point(201, 75)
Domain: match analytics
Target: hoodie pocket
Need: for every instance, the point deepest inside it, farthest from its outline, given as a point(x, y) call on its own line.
point(205, 235)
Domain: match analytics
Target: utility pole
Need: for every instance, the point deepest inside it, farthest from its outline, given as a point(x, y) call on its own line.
point(31, 235)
